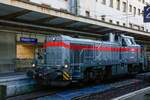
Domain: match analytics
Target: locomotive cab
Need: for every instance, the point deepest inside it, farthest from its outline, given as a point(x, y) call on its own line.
point(52, 64)
point(131, 50)
point(131, 54)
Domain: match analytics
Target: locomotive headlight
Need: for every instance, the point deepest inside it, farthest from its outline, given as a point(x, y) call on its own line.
point(33, 65)
point(66, 66)
point(54, 39)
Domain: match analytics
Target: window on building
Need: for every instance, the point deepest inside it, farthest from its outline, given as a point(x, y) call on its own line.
point(111, 21)
point(139, 11)
point(111, 3)
point(118, 23)
point(104, 2)
point(142, 13)
point(134, 11)
point(138, 27)
point(124, 24)
point(124, 6)
point(143, 1)
point(103, 18)
point(118, 4)
point(130, 25)
point(142, 28)
point(130, 8)
point(87, 13)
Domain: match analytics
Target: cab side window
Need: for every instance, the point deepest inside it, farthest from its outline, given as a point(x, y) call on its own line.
point(116, 38)
point(124, 43)
point(132, 41)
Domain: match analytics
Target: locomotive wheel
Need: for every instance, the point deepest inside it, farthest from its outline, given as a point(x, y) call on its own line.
point(108, 72)
point(99, 76)
point(141, 66)
point(89, 75)
point(133, 69)
point(94, 75)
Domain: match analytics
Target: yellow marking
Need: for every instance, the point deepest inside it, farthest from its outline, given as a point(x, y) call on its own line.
point(66, 74)
point(65, 78)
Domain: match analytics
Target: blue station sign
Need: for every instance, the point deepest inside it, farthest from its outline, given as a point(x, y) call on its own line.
point(28, 40)
point(147, 14)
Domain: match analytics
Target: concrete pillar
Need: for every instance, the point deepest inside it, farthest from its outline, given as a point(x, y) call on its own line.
point(2, 92)
point(7, 52)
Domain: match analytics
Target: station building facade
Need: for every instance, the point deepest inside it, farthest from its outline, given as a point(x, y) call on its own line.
point(127, 13)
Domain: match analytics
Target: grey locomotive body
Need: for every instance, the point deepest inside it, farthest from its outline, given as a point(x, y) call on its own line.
point(68, 59)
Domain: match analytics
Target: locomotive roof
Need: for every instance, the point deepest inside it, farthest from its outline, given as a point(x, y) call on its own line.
point(82, 40)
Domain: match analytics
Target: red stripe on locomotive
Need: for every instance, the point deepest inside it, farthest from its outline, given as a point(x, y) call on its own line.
point(80, 47)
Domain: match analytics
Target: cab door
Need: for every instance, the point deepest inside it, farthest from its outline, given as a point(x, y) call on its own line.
point(129, 50)
point(124, 53)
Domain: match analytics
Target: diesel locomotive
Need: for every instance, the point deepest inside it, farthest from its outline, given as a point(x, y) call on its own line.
point(66, 59)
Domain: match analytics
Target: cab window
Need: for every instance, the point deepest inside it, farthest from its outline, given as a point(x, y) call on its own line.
point(132, 41)
point(124, 42)
point(128, 41)
point(116, 38)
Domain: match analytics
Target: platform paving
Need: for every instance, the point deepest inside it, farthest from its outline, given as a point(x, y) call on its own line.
point(17, 83)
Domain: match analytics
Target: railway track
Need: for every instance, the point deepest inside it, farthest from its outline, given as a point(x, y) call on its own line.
point(114, 92)
point(107, 91)
point(120, 90)
point(46, 91)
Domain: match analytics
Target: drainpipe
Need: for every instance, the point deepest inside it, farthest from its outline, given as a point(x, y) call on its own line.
point(127, 13)
point(75, 7)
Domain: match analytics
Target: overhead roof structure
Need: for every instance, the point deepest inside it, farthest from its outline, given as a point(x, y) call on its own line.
point(27, 16)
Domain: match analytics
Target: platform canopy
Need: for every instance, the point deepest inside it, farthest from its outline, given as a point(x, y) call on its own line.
point(22, 15)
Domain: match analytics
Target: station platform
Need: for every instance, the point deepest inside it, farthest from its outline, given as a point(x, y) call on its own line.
point(12, 76)
point(17, 83)
point(142, 94)
point(144, 76)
